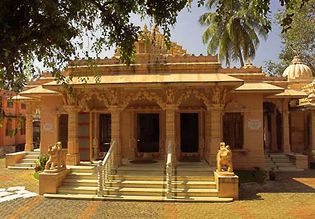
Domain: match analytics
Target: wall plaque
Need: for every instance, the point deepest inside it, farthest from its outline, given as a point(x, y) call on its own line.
point(254, 124)
point(48, 127)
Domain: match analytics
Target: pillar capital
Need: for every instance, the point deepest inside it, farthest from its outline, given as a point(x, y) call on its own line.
point(170, 107)
point(71, 108)
point(114, 108)
point(215, 107)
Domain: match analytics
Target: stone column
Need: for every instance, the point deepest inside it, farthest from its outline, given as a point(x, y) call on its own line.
point(273, 132)
point(115, 133)
point(29, 128)
point(170, 135)
point(207, 134)
point(285, 128)
point(216, 131)
point(73, 155)
point(95, 139)
point(313, 133)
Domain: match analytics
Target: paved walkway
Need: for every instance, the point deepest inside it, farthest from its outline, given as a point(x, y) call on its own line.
point(291, 196)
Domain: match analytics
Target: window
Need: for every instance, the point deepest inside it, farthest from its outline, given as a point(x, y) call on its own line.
point(233, 130)
point(8, 128)
point(23, 106)
point(22, 125)
point(9, 103)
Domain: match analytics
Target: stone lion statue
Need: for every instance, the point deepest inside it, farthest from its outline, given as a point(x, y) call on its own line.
point(55, 160)
point(224, 158)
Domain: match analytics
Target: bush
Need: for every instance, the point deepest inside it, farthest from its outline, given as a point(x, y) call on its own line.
point(41, 162)
point(260, 175)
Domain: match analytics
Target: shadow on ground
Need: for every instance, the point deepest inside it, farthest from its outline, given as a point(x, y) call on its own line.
point(286, 182)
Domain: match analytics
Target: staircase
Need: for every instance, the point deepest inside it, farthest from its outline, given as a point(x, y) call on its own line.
point(81, 180)
point(191, 182)
point(28, 162)
point(279, 162)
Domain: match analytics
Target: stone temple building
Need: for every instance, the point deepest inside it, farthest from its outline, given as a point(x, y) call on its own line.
point(170, 109)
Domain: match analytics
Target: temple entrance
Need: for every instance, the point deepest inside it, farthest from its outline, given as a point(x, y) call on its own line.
point(189, 136)
point(148, 132)
point(105, 132)
point(272, 129)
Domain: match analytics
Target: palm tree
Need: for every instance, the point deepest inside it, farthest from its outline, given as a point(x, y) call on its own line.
point(233, 32)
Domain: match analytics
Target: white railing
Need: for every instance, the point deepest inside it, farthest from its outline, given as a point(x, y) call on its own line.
point(104, 168)
point(169, 170)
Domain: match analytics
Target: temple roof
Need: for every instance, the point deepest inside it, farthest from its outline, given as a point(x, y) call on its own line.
point(259, 88)
point(290, 93)
point(154, 79)
point(37, 91)
point(298, 71)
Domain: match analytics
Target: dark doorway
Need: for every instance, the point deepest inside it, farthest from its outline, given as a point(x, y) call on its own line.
point(63, 130)
point(105, 132)
point(189, 132)
point(148, 132)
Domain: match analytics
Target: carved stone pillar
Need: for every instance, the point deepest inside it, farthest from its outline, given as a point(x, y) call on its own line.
point(115, 133)
point(216, 131)
point(29, 128)
point(273, 132)
point(313, 133)
point(73, 155)
point(170, 135)
point(286, 128)
point(207, 134)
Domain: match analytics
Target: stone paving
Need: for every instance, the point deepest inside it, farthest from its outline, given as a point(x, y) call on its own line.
point(291, 196)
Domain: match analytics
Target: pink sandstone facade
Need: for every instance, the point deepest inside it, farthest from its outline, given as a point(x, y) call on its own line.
point(172, 96)
point(12, 123)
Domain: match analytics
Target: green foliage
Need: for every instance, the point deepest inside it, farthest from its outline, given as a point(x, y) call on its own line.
point(299, 39)
point(41, 162)
point(233, 29)
point(52, 31)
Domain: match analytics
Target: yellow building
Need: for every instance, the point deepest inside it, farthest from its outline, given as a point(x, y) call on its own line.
point(170, 108)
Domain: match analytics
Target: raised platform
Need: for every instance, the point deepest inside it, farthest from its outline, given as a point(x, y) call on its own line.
point(191, 181)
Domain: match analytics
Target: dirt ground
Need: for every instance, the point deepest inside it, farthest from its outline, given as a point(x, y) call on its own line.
point(292, 195)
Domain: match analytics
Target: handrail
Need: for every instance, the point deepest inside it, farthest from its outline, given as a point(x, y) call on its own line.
point(169, 170)
point(104, 168)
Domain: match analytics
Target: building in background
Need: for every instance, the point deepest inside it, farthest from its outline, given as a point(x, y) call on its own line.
point(12, 123)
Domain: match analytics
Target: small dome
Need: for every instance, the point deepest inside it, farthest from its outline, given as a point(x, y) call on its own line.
point(298, 71)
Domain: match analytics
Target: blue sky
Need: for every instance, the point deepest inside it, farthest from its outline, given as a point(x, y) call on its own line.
point(188, 33)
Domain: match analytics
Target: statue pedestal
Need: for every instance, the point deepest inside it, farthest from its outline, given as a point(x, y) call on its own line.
point(227, 185)
point(50, 180)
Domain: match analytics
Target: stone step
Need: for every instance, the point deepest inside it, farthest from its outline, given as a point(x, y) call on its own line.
point(136, 183)
point(81, 175)
point(77, 190)
point(28, 160)
point(79, 182)
point(194, 185)
point(137, 198)
point(25, 165)
point(29, 156)
point(33, 152)
point(137, 177)
point(20, 168)
point(135, 191)
point(289, 169)
point(285, 165)
point(208, 178)
point(195, 192)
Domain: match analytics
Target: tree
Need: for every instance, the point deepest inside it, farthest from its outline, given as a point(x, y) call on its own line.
point(52, 30)
point(298, 40)
point(234, 32)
